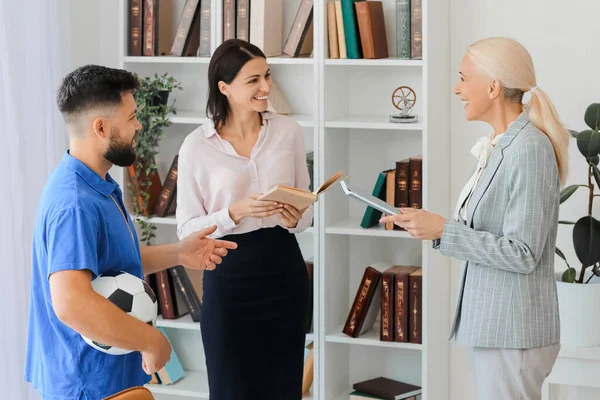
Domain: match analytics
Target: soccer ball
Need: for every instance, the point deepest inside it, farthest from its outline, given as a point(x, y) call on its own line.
point(132, 295)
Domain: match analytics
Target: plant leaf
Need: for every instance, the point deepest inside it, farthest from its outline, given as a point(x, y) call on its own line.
point(586, 234)
point(568, 192)
point(596, 174)
point(594, 160)
point(588, 143)
point(569, 275)
point(560, 253)
point(573, 133)
point(566, 222)
point(592, 116)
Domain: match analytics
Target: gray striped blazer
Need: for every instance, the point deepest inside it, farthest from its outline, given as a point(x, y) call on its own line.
point(507, 293)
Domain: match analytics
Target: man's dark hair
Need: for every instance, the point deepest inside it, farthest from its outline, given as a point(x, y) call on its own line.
point(225, 64)
point(93, 86)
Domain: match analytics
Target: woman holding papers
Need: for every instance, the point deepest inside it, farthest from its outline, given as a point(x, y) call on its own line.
point(505, 224)
point(254, 304)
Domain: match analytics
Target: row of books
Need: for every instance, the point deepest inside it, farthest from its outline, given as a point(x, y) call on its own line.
point(400, 187)
point(150, 28)
point(394, 293)
point(260, 22)
point(179, 292)
point(356, 29)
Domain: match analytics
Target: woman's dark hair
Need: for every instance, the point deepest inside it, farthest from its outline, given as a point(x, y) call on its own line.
point(226, 62)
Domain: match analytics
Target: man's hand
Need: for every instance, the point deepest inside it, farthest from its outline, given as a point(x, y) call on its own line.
point(418, 223)
point(199, 252)
point(156, 354)
point(290, 215)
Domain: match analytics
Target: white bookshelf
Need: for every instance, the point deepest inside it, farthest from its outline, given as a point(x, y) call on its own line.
point(343, 107)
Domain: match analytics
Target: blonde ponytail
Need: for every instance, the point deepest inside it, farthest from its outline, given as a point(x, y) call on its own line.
point(509, 62)
point(543, 115)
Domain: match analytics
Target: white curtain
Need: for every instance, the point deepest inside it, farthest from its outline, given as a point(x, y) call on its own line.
point(33, 57)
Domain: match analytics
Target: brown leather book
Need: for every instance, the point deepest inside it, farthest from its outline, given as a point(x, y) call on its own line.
point(416, 306)
point(139, 185)
point(229, 13)
point(150, 28)
point(366, 304)
point(164, 295)
point(135, 28)
point(300, 29)
point(402, 174)
point(401, 301)
point(386, 328)
point(189, 17)
point(371, 26)
point(416, 180)
point(167, 192)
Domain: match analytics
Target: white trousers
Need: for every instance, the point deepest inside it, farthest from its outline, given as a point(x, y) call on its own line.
point(511, 374)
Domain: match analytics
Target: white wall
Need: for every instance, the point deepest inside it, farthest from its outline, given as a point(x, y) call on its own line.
point(94, 32)
point(560, 37)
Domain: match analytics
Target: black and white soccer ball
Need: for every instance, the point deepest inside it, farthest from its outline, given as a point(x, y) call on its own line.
point(132, 295)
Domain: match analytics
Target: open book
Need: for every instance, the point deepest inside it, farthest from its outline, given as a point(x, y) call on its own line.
point(299, 198)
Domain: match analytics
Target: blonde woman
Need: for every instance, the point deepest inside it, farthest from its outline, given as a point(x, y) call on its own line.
point(505, 224)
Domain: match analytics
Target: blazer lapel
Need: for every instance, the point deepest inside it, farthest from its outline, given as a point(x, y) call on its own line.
point(493, 163)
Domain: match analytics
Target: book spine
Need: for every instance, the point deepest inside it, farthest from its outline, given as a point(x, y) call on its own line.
point(184, 285)
point(204, 48)
point(415, 325)
point(403, 29)
point(361, 303)
point(386, 333)
point(135, 28)
point(165, 298)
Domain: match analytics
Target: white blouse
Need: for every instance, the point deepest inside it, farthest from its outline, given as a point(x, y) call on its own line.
point(212, 176)
point(481, 151)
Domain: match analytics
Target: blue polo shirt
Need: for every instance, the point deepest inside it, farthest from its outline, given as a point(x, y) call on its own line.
point(78, 226)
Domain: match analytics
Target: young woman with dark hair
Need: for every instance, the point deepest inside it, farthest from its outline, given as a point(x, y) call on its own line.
point(254, 302)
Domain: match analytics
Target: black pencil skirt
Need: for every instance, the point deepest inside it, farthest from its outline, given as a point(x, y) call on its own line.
point(252, 319)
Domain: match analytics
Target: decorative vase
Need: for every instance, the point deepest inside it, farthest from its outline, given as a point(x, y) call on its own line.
point(578, 309)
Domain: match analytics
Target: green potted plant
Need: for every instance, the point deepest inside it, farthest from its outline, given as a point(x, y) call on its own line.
point(153, 113)
point(578, 295)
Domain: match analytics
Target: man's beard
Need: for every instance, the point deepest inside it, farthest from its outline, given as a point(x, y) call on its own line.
point(119, 153)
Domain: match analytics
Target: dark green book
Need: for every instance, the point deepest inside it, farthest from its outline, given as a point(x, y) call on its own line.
point(371, 216)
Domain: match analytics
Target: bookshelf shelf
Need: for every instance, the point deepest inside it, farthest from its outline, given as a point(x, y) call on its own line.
point(184, 322)
point(199, 118)
point(369, 338)
point(380, 62)
point(159, 220)
point(371, 122)
point(283, 60)
point(351, 226)
point(165, 60)
point(194, 384)
point(343, 106)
